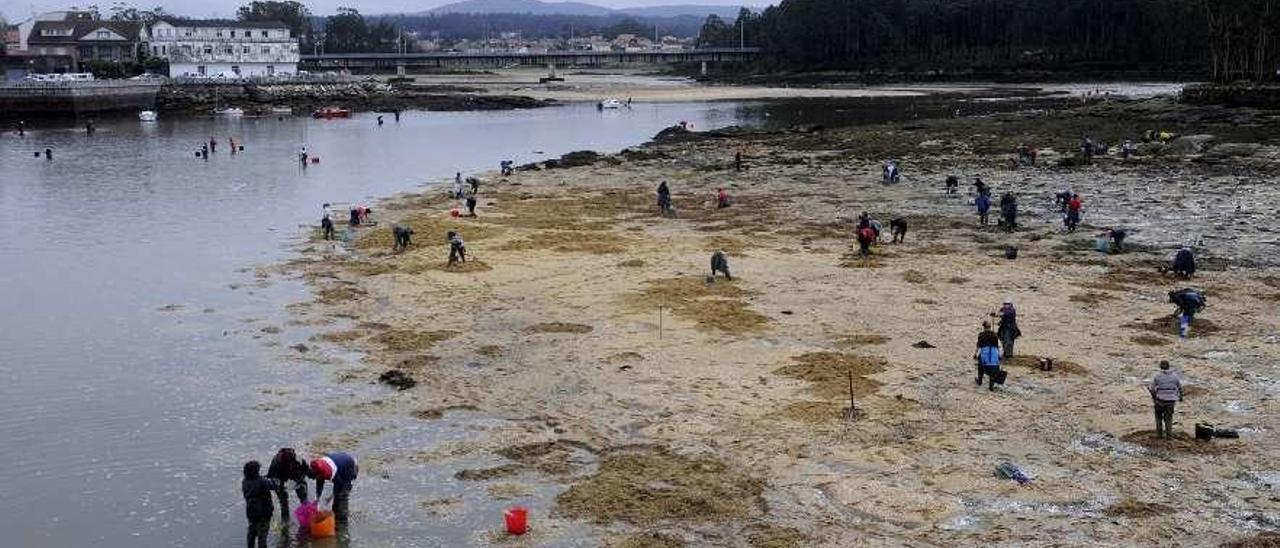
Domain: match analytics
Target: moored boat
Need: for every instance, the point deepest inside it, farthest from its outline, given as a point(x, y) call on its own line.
point(331, 112)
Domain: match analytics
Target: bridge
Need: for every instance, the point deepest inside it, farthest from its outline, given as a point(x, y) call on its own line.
point(401, 62)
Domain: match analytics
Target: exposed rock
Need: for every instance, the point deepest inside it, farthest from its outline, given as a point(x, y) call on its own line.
point(1225, 150)
point(398, 379)
point(1187, 144)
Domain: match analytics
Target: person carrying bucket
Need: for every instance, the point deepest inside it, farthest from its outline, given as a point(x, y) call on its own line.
point(342, 470)
point(257, 503)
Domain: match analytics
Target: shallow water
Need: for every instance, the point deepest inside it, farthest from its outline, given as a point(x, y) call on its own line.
point(136, 377)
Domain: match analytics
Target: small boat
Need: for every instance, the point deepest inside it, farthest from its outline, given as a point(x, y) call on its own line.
point(147, 116)
point(609, 104)
point(282, 110)
point(331, 112)
point(228, 111)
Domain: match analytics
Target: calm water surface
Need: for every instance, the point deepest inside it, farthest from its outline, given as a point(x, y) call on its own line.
point(135, 377)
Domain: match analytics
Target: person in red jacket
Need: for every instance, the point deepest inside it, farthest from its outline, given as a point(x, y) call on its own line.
point(1073, 212)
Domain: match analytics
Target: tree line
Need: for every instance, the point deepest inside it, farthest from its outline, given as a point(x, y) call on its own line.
point(1231, 38)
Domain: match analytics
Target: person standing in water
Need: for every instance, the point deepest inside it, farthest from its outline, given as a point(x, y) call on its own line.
point(326, 222)
point(340, 469)
point(287, 467)
point(257, 503)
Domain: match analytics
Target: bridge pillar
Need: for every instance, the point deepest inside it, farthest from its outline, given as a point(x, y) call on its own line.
point(704, 68)
point(400, 69)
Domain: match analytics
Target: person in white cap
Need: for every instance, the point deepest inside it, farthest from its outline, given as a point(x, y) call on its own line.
point(1008, 330)
point(341, 469)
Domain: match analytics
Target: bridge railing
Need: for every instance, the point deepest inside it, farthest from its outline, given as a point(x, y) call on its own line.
point(516, 54)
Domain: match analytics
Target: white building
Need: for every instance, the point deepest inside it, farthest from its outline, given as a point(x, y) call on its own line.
point(221, 47)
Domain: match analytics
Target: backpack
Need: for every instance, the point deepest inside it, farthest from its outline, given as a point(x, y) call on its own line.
point(989, 356)
point(867, 234)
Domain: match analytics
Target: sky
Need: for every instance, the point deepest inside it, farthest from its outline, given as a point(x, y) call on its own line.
point(17, 10)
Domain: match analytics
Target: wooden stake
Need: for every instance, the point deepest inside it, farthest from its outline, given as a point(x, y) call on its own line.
point(851, 407)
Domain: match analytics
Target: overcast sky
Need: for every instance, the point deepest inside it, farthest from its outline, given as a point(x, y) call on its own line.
point(17, 10)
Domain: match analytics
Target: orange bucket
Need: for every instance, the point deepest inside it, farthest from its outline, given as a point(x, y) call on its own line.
point(323, 525)
point(517, 520)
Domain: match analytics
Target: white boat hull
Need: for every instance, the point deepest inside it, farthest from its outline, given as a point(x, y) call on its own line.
point(147, 116)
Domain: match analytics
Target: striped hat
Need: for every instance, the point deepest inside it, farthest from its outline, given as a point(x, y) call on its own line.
point(323, 468)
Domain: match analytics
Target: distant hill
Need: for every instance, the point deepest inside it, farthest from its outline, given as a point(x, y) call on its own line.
point(537, 7)
point(728, 13)
point(534, 7)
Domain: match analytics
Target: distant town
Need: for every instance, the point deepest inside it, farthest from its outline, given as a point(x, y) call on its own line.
point(81, 44)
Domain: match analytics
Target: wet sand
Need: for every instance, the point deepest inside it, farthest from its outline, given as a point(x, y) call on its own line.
point(714, 413)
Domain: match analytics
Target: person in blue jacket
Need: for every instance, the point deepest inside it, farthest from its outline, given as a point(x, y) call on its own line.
point(987, 356)
point(342, 470)
point(983, 201)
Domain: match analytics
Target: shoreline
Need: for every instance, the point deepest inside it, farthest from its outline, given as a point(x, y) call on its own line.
point(584, 309)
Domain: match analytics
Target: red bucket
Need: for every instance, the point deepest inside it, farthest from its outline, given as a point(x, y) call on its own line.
point(517, 520)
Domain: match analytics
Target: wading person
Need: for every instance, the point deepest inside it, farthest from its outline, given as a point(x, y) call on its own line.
point(340, 469)
point(722, 198)
point(48, 154)
point(952, 184)
point(457, 186)
point(287, 468)
point(1008, 329)
point(213, 145)
point(457, 249)
point(326, 222)
point(987, 356)
point(257, 503)
point(720, 263)
point(471, 205)
point(1166, 392)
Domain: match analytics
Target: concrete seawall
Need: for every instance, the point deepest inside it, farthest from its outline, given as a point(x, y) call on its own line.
point(37, 99)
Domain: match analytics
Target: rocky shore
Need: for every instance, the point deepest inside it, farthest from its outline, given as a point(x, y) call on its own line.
point(356, 95)
point(821, 398)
